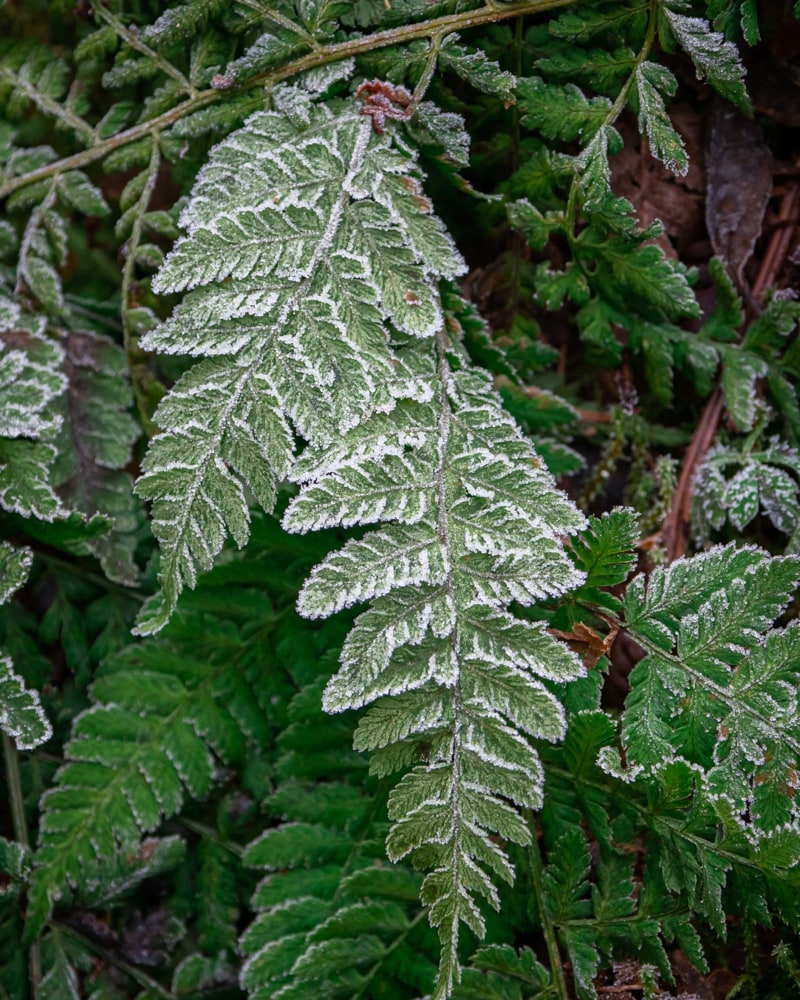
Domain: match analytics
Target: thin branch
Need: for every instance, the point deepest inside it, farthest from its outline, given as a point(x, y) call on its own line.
point(488, 14)
point(132, 351)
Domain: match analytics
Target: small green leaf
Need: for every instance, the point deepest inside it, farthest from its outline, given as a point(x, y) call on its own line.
point(45, 283)
point(715, 59)
point(78, 190)
point(474, 67)
point(666, 145)
point(21, 714)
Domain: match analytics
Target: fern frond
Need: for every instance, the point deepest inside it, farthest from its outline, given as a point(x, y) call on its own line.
point(438, 635)
point(760, 481)
point(31, 379)
point(333, 918)
point(299, 262)
point(721, 700)
point(715, 59)
point(164, 715)
point(605, 553)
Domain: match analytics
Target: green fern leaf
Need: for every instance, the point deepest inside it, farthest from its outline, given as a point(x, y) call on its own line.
point(473, 66)
point(740, 370)
point(665, 144)
point(562, 113)
point(21, 716)
point(705, 703)
point(163, 714)
point(332, 918)
point(605, 552)
point(715, 59)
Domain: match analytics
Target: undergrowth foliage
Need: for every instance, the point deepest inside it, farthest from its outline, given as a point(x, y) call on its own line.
point(303, 641)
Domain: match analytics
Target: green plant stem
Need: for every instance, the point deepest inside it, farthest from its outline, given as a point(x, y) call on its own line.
point(132, 351)
point(11, 758)
point(488, 14)
point(209, 833)
point(548, 930)
point(49, 106)
point(614, 112)
point(20, 827)
point(423, 83)
point(56, 562)
point(132, 38)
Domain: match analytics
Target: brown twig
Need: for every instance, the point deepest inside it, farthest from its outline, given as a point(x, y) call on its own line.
point(779, 243)
point(676, 524)
point(675, 530)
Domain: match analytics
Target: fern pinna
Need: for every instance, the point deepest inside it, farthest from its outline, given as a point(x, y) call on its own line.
point(424, 727)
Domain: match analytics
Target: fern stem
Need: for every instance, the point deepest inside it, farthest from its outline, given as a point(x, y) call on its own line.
point(49, 106)
point(75, 569)
point(132, 38)
point(20, 826)
point(490, 13)
point(430, 66)
point(208, 833)
point(16, 801)
point(614, 112)
point(133, 353)
point(548, 930)
point(444, 503)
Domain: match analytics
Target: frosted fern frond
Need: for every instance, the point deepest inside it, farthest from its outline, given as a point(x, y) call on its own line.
point(735, 486)
point(306, 233)
point(718, 688)
point(31, 380)
point(21, 713)
point(715, 59)
point(466, 674)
